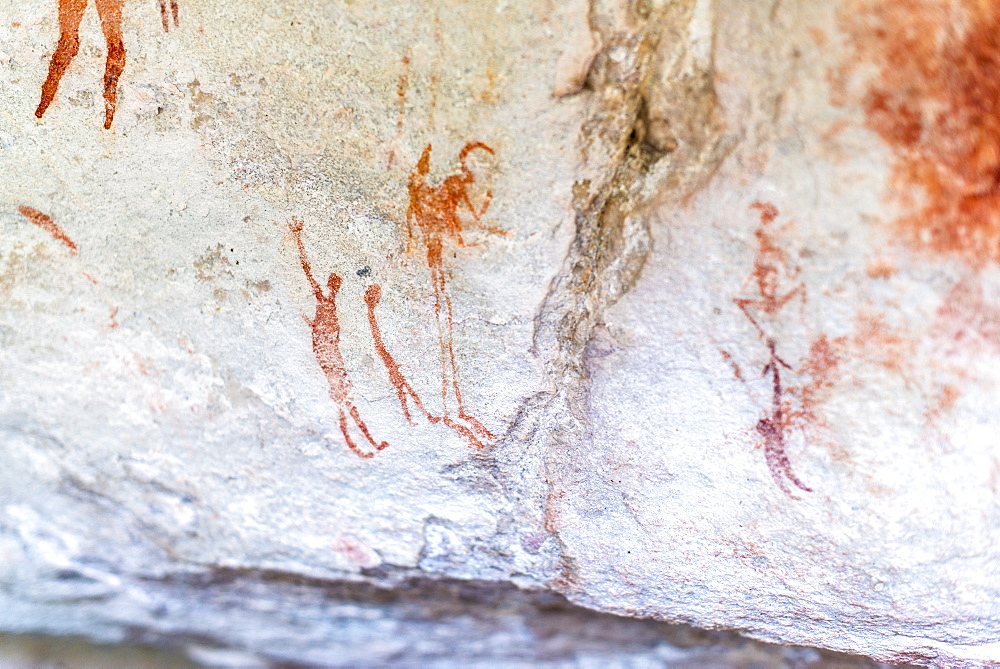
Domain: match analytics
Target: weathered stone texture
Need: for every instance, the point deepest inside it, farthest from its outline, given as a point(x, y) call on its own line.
point(682, 309)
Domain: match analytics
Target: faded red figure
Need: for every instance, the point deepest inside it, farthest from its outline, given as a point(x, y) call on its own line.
point(110, 13)
point(771, 273)
point(326, 347)
point(434, 211)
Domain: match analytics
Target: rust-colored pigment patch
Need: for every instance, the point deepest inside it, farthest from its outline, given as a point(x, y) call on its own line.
point(434, 212)
point(820, 370)
point(881, 268)
point(401, 89)
point(326, 347)
point(967, 321)
point(70, 17)
point(45, 222)
point(935, 100)
point(875, 340)
point(737, 370)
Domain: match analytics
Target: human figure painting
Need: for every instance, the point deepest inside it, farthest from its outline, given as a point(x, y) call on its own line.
point(110, 14)
point(434, 214)
point(325, 326)
point(433, 217)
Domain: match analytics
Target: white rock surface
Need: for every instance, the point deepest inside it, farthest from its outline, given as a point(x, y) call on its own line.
point(724, 310)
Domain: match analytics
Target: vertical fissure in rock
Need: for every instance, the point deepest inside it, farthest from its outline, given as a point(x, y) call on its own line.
point(651, 135)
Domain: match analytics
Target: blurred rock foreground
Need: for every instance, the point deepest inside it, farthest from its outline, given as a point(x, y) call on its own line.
point(520, 332)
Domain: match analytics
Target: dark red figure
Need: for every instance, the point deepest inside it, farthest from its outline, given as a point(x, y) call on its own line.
point(326, 347)
point(70, 17)
point(769, 273)
point(434, 210)
point(772, 427)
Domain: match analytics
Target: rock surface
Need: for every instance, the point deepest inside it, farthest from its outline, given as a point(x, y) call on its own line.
point(684, 310)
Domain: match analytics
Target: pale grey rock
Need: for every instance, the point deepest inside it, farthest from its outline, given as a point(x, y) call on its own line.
point(174, 463)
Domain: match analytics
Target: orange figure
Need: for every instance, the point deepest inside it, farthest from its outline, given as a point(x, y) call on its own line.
point(326, 347)
point(403, 389)
point(70, 17)
point(434, 211)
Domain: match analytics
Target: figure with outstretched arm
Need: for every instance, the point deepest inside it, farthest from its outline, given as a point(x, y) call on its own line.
point(326, 347)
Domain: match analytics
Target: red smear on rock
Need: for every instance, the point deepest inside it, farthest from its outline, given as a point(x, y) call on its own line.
point(45, 222)
point(968, 320)
point(935, 100)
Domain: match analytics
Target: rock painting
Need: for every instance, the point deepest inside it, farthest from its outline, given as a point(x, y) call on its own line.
point(326, 347)
point(166, 15)
point(45, 222)
point(776, 287)
point(110, 14)
point(404, 390)
point(434, 215)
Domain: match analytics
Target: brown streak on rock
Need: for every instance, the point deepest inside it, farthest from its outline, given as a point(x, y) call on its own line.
point(45, 222)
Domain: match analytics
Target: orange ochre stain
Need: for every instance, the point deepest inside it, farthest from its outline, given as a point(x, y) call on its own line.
point(326, 347)
point(967, 320)
point(110, 14)
point(935, 100)
point(45, 222)
point(821, 367)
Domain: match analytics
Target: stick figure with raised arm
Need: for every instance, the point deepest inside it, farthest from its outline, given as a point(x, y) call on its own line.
point(326, 347)
point(434, 211)
point(70, 17)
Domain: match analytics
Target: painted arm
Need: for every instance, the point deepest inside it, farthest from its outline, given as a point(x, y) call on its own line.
point(477, 215)
point(743, 303)
point(296, 228)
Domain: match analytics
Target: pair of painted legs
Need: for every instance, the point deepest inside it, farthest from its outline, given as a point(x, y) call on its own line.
point(470, 428)
point(70, 16)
